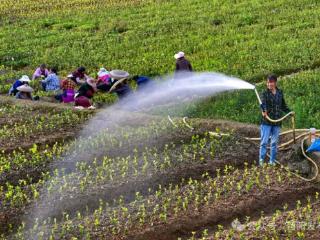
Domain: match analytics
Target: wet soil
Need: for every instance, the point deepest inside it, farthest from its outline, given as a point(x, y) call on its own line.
point(225, 211)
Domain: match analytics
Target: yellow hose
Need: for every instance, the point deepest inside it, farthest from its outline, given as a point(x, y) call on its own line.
point(187, 125)
point(171, 121)
point(283, 118)
point(282, 146)
point(116, 84)
point(311, 160)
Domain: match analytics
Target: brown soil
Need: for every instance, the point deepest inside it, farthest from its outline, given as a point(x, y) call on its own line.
point(236, 154)
point(40, 140)
point(43, 137)
point(267, 200)
point(312, 235)
point(142, 184)
point(135, 120)
point(70, 203)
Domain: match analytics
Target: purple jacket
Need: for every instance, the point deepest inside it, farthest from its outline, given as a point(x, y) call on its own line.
point(38, 73)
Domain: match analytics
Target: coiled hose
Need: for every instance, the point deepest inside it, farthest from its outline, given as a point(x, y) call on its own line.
point(283, 146)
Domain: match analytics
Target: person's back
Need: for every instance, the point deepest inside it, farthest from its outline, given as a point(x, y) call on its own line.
point(87, 89)
point(85, 93)
point(13, 90)
point(23, 80)
point(182, 64)
point(68, 84)
point(52, 82)
point(143, 82)
point(123, 90)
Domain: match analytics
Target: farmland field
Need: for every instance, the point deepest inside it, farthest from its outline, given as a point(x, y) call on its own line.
point(112, 173)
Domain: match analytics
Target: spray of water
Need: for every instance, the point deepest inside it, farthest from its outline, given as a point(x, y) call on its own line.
point(122, 114)
point(185, 86)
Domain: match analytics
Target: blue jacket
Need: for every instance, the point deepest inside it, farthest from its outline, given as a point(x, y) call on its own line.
point(13, 90)
point(52, 82)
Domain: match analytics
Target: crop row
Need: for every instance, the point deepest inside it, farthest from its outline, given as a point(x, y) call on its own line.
point(191, 196)
point(299, 223)
point(92, 175)
point(105, 143)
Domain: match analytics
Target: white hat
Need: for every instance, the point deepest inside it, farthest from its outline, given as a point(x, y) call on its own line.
point(25, 78)
point(102, 72)
point(179, 55)
point(119, 74)
point(25, 88)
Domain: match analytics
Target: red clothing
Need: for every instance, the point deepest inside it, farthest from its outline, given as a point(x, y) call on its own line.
point(86, 90)
point(78, 74)
point(82, 101)
point(68, 84)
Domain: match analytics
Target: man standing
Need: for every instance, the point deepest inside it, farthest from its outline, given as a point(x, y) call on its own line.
point(182, 64)
point(273, 105)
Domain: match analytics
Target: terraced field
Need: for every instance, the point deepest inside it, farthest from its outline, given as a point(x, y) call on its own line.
point(118, 174)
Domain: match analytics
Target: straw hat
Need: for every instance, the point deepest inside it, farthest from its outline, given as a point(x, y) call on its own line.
point(25, 88)
point(25, 78)
point(179, 55)
point(119, 74)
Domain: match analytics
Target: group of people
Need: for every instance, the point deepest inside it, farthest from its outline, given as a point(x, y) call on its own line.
point(79, 88)
point(273, 103)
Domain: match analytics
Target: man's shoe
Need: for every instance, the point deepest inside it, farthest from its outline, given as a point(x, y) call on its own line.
point(272, 163)
point(261, 162)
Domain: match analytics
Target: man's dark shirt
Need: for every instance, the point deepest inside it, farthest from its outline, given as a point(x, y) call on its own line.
point(274, 105)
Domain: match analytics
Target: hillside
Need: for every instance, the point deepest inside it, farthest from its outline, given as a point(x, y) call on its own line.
point(121, 173)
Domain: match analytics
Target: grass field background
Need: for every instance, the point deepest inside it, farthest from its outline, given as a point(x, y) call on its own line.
point(247, 39)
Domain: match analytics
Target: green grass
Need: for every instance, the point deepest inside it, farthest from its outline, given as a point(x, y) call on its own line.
point(243, 38)
point(301, 93)
point(247, 39)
